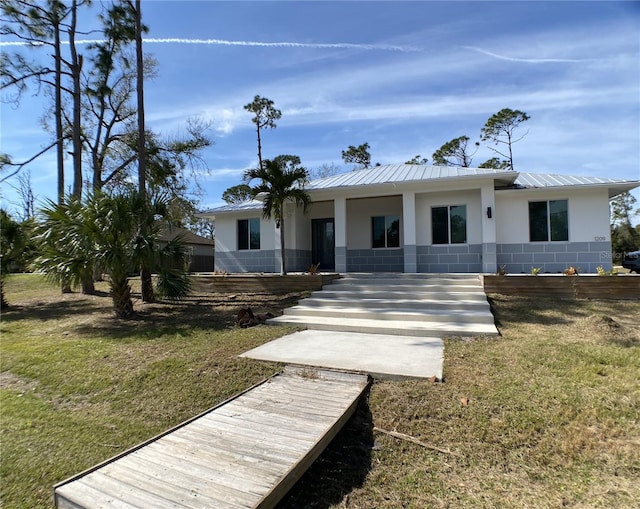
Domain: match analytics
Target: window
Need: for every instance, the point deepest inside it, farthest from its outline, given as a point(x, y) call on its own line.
point(385, 231)
point(449, 224)
point(249, 233)
point(548, 221)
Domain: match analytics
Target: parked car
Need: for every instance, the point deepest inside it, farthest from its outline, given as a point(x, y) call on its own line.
point(632, 262)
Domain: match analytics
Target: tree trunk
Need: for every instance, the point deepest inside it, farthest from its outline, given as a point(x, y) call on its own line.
point(65, 287)
point(3, 302)
point(283, 269)
point(259, 147)
point(121, 297)
point(145, 272)
point(146, 285)
point(58, 107)
point(76, 69)
point(88, 288)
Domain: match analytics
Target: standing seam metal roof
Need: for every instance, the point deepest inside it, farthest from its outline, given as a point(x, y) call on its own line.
point(397, 173)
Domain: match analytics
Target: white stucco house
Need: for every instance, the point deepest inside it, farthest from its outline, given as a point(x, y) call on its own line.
point(431, 219)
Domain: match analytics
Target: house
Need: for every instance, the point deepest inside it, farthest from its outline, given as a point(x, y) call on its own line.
point(432, 219)
point(201, 249)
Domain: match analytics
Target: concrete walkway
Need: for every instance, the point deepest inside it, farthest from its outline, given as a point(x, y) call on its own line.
point(381, 356)
point(386, 325)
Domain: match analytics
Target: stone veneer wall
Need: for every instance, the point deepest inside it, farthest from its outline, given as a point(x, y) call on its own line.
point(375, 260)
point(450, 258)
point(554, 257)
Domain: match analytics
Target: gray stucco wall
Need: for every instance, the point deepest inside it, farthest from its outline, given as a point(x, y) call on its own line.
point(450, 258)
point(554, 257)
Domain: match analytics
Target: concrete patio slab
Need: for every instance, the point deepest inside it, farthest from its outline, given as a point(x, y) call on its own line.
point(379, 355)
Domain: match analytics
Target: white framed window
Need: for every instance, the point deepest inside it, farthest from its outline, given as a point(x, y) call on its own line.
point(449, 224)
point(548, 221)
point(249, 234)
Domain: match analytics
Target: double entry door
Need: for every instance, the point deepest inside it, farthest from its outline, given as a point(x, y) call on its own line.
point(323, 243)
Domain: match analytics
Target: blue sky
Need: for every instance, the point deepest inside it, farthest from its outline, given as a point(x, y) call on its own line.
point(405, 77)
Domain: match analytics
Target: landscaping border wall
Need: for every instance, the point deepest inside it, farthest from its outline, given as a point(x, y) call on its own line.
point(588, 286)
point(260, 283)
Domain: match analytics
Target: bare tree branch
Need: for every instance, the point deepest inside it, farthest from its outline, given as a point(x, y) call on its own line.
point(20, 166)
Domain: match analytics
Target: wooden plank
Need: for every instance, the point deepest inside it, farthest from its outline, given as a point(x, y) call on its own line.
point(169, 488)
point(295, 411)
point(111, 492)
point(623, 287)
point(256, 438)
point(269, 464)
point(177, 453)
point(266, 283)
point(295, 472)
point(301, 395)
point(308, 394)
point(267, 433)
point(294, 424)
point(254, 449)
point(74, 497)
point(247, 452)
point(162, 463)
point(304, 409)
point(179, 480)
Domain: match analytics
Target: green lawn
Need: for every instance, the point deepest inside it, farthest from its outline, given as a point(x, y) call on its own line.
point(552, 413)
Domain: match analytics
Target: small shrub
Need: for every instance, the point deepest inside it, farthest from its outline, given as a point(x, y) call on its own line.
point(602, 272)
point(313, 269)
point(502, 271)
point(571, 271)
point(535, 270)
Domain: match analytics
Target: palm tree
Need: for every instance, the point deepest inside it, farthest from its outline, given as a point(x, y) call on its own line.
point(281, 180)
point(110, 233)
point(70, 230)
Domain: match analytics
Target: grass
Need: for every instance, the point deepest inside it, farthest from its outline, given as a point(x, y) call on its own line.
point(547, 415)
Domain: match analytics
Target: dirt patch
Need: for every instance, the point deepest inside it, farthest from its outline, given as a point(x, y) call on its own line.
point(605, 328)
point(15, 383)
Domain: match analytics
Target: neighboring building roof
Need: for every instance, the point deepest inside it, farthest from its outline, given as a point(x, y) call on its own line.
point(188, 237)
point(408, 173)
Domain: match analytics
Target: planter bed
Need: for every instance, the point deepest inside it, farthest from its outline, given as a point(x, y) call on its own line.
point(587, 286)
point(260, 283)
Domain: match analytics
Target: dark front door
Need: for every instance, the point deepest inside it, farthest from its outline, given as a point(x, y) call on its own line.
point(323, 243)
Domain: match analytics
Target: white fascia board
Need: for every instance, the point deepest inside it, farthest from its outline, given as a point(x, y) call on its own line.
point(614, 188)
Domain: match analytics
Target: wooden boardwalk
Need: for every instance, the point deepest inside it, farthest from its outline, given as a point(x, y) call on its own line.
point(246, 452)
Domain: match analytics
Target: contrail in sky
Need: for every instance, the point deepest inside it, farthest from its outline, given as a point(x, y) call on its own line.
point(525, 60)
point(223, 42)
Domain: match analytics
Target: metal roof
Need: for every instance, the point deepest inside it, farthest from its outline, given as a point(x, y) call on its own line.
point(537, 180)
point(396, 173)
point(236, 207)
point(407, 173)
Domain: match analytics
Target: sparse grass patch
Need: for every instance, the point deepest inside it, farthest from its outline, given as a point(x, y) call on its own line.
point(545, 416)
point(79, 386)
point(552, 417)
